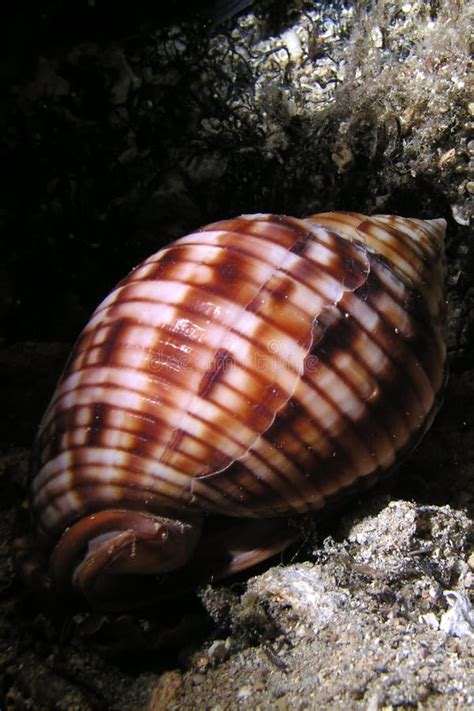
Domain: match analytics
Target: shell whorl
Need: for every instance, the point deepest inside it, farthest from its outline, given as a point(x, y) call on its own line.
point(256, 367)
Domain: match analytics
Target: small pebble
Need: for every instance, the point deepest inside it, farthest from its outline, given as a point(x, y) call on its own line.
point(198, 679)
point(460, 214)
point(219, 650)
point(244, 693)
point(202, 663)
point(293, 44)
point(447, 157)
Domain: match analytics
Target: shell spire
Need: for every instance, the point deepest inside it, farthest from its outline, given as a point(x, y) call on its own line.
point(414, 248)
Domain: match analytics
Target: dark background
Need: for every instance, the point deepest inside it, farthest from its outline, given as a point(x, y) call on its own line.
point(99, 171)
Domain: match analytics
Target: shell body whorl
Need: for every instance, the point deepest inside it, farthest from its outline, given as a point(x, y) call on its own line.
point(257, 367)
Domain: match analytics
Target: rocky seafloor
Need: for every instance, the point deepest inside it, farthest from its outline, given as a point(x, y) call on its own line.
point(124, 126)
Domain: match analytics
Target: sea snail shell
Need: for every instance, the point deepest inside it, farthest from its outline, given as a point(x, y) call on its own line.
point(260, 366)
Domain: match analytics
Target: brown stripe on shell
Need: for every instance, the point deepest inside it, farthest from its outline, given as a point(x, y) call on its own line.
point(263, 402)
point(222, 359)
point(362, 294)
point(209, 382)
point(166, 404)
point(369, 424)
point(404, 339)
point(197, 307)
point(336, 271)
point(349, 259)
point(426, 343)
point(391, 344)
point(379, 391)
point(425, 269)
point(282, 229)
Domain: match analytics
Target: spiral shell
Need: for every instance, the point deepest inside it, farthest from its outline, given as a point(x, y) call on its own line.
point(260, 366)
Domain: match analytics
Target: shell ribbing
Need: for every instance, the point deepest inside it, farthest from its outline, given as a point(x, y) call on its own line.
point(256, 367)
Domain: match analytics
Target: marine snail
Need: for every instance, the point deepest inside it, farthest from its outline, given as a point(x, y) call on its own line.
point(258, 368)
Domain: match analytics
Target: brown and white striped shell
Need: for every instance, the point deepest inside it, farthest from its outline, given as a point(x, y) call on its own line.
point(258, 367)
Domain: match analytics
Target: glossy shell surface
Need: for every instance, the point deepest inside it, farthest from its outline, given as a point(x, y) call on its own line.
point(257, 367)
